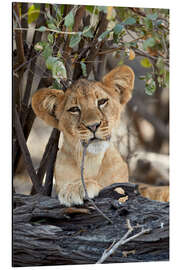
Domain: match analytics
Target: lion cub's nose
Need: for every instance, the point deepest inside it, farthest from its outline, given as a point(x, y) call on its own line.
point(93, 127)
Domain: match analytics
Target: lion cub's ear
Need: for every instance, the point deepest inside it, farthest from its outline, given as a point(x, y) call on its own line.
point(44, 104)
point(121, 79)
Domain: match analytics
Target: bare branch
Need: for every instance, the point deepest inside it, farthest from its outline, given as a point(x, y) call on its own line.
point(50, 169)
point(18, 36)
point(108, 252)
point(26, 154)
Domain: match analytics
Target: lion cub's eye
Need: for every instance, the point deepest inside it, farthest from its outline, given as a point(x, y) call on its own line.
point(74, 110)
point(102, 101)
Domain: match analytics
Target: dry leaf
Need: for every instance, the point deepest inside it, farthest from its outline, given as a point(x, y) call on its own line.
point(123, 199)
point(132, 55)
point(126, 253)
point(109, 13)
point(120, 190)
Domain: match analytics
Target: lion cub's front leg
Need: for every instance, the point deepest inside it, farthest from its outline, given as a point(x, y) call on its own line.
point(69, 187)
point(73, 193)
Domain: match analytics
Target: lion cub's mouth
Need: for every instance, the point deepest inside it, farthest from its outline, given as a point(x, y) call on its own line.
point(96, 142)
point(97, 145)
point(95, 139)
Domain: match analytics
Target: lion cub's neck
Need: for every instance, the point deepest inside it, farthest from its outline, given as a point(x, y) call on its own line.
point(93, 159)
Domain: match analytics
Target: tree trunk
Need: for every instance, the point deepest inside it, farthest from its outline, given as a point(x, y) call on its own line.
point(46, 233)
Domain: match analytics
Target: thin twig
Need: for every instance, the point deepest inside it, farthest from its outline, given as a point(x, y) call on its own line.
point(27, 62)
point(108, 252)
point(57, 31)
point(85, 146)
point(137, 51)
point(46, 30)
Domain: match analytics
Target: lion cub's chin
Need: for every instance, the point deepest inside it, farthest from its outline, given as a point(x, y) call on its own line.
point(98, 146)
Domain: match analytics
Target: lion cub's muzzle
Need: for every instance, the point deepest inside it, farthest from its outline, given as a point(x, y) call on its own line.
point(93, 127)
point(95, 132)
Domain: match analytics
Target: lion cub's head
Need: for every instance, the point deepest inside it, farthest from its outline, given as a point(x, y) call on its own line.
point(88, 111)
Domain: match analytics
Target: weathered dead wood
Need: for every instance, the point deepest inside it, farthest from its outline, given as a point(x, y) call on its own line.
point(46, 233)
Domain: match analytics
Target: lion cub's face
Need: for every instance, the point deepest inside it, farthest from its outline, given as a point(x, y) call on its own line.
point(89, 114)
point(88, 111)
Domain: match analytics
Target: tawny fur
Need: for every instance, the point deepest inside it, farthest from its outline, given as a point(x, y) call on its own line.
point(158, 193)
point(75, 112)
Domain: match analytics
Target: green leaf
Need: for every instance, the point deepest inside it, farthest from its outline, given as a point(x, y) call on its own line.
point(75, 39)
point(42, 28)
point(88, 33)
point(40, 45)
point(148, 23)
point(51, 38)
point(69, 19)
point(33, 13)
point(167, 77)
point(57, 10)
point(51, 19)
point(59, 70)
point(62, 9)
point(103, 35)
point(150, 88)
point(152, 16)
point(83, 67)
point(145, 62)
point(50, 62)
point(148, 76)
point(90, 8)
point(160, 65)
point(129, 21)
point(118, 28)
point(56, 85)
point(150, 42)
point(47, 52)
point(52, 26)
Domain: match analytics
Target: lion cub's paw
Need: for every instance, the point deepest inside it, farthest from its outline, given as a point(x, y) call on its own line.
point(73, 194)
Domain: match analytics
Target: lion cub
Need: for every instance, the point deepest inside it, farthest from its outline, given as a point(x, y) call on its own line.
point(88, 111)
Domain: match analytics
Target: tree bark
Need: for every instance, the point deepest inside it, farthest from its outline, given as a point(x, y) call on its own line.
point(47, 233)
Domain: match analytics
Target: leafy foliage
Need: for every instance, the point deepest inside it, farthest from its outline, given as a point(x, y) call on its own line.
point(147, 29)
point(33, 13)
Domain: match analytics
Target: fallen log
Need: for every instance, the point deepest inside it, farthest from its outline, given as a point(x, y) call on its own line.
point(47, 233)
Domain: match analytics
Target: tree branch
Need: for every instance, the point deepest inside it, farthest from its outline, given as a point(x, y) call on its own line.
point(96, 45)
point(111, 250)
point(50, 169)
point(18, 36)
point(26, 154)
point(45, 233)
